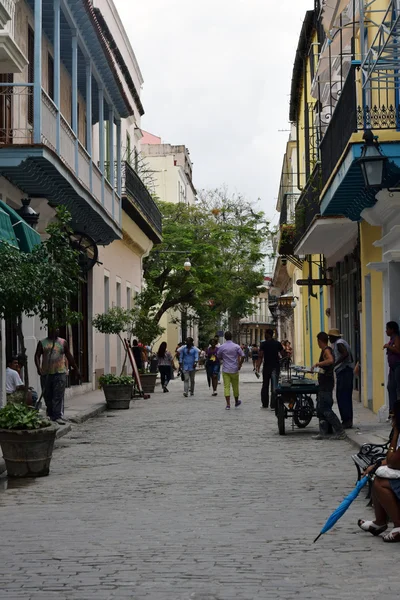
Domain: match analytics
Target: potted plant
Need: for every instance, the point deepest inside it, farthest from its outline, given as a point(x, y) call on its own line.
point(135, 324)
point(145, 329)
point(26, 440)
point(118, 391)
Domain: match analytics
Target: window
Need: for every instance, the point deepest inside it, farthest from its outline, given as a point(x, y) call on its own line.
point(31, 72)
point(107, 136)
point(107, 337)
point(128, 297)
point(50, 76)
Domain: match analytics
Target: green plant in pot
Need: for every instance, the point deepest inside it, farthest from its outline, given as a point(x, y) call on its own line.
point(131, 324)
point(26, 440)
point(118, 390)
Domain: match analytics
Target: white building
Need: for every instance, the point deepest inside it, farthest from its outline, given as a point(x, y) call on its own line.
point(70, 113)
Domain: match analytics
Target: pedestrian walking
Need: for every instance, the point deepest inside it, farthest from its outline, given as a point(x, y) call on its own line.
point(393, 356)
point(188, 359)
point(165, 360)
point(232, 357)
point(138, 354)
point(254, 356)
point(328, 420)
point(344, 369)
point(270, 354)
point(51, 358)
point(213, 366)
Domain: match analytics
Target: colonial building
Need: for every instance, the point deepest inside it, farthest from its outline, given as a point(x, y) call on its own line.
point(69, 108)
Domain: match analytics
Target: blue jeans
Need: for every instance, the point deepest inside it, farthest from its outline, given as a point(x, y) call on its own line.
point(344, 395)
point(53, 387)
point(328, 420)
point(393, 386)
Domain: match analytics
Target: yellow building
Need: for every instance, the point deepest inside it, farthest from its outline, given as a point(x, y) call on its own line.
point(347, 223)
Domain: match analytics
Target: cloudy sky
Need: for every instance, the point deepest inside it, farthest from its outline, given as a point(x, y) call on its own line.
point(217, 79)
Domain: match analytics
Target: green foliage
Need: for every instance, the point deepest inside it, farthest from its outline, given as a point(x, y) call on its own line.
point(21, 416)
point(115, 321)
point(224, 238)
point(135, 322)
point(115, 380)
point(40, 283)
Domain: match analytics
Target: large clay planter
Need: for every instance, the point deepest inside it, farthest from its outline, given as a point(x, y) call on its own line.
point(118, 397)
point(27, 453)
point(148, 382)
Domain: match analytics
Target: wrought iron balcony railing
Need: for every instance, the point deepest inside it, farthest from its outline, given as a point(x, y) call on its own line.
point(288, 209)
point(139, 197)
point(308, 206)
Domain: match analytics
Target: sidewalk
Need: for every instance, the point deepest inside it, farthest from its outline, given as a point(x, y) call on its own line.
point(77, 410)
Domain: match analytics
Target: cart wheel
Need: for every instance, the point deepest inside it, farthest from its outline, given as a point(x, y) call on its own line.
point(303, 411)
point(281, 418)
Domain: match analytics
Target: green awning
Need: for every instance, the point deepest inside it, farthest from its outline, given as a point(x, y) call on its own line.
point(27, 237)
point(6, 230)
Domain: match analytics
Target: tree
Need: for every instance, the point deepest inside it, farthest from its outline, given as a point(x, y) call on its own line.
point(224, 238)
point(40, 283)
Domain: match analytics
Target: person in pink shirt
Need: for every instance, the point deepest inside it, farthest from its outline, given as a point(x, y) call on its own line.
point(232, 357)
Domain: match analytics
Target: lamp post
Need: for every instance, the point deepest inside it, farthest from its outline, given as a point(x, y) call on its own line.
point(372, 161)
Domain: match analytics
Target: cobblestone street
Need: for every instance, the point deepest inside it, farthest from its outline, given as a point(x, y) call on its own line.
point(178, 499)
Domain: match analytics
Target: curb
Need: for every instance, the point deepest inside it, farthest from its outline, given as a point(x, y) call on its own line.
point(78, 418)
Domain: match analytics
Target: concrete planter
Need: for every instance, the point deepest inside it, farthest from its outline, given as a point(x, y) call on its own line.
point(27, 453)
point(118, 397)
point(148, 382)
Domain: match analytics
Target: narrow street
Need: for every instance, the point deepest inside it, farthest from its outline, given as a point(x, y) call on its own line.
point(178, 499)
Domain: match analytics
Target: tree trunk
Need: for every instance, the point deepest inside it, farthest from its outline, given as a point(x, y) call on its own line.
point(21, 341)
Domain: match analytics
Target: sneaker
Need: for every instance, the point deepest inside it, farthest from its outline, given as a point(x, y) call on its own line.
point(320, 437)
point(214, 394)
point(61, 421)
point(166, 390)
point(339, 436)
point(185, 395)
point(227, 408)
point(238, 403)
point(192, 393)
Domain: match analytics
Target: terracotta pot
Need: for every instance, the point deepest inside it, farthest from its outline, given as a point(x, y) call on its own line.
point(28, 452)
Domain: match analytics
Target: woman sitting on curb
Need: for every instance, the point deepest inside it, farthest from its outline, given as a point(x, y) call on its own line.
point(386, 492)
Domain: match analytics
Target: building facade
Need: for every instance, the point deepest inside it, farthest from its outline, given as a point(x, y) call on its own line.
point(69, 106)
point(345, 105)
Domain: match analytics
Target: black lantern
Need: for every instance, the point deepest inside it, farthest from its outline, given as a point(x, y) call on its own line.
point(372, 161)
point(27, 213)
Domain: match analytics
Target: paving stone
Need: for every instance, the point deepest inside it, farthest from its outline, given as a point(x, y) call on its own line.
point(178, 499)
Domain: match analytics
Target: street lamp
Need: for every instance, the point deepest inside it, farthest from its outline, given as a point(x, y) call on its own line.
point(187, 265)
point(294, 302)
point(372, 161)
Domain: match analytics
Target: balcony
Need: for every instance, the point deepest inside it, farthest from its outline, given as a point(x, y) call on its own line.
point(12, 59)
point(308, 206)
point(288, 209)
point(66, 177)
point(139, 205)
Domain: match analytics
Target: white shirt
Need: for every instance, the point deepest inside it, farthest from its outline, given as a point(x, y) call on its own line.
point(13, 381)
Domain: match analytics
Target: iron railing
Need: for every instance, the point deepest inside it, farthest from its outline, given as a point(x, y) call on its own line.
point(308, 206)
point(341, 127)
point(288, 209)
point(134, 189)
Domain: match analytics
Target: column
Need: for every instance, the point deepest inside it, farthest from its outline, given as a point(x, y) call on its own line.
point(37, 85)
point(101, 140)
point(75, 124)
point(89, 118)
point(119, 170)
point(57, 75)
point(111, 155)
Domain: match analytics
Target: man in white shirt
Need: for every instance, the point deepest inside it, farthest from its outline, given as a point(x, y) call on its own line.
point(15, 388)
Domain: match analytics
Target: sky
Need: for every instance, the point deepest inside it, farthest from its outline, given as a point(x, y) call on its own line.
point(217, 77)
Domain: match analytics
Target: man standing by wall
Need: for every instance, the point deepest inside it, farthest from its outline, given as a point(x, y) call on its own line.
point(270, 352)
point(51, 358)
point(328, 420)
point(232, 357)
point(188, 359)
point(344, 369)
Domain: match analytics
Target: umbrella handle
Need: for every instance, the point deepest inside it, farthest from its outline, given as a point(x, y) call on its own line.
point(317, 538)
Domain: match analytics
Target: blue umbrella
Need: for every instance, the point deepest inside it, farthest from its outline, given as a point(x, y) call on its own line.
point(341, 509)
